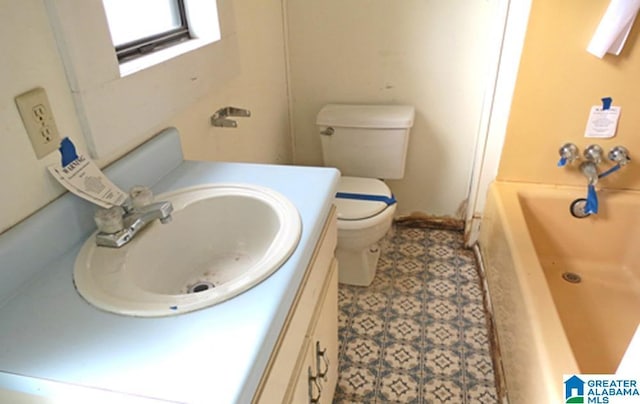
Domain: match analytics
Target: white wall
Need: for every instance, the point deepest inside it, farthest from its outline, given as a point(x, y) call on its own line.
point(260, 86)
point(432, 54)
point(424, 52)
point(31, 58)
point(508, 39)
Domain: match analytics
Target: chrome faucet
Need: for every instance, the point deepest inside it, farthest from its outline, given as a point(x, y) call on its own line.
point(593, 157)
point(219, 118)
point(120, 224)
point(590, 170)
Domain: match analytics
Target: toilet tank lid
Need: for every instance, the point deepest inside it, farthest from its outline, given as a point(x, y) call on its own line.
point(366, 116)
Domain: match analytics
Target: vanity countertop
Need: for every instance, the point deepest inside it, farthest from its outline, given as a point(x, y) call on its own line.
point(54, 342)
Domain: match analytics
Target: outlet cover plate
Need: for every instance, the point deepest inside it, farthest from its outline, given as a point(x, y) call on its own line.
point(37, 118)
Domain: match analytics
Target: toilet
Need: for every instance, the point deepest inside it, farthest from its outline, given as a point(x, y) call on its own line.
point(367, 143)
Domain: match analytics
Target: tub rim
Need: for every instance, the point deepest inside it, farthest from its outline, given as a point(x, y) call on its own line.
point(551, 343)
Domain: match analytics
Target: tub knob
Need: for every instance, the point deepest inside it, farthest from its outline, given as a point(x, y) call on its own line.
point(568, 154)
point(593, 153)
point(619, 155)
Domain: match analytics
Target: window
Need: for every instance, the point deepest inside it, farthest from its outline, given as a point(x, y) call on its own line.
point(139, 27)
point(119, 104)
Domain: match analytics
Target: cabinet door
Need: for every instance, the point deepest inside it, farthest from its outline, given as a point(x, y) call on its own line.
point(324, 340)
point(317, 376)
point(304, 388)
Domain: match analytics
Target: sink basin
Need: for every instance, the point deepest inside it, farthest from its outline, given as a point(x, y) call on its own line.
point(222, 240)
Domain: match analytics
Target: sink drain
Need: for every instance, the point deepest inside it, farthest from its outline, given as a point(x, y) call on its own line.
point(200, 287)
point(571, 277)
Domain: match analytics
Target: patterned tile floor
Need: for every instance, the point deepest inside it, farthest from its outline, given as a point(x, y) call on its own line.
point(418, 334)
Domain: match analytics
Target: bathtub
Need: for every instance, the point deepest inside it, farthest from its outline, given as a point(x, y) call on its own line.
point(546, 325)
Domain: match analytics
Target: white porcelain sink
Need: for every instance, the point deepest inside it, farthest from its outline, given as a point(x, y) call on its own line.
point(223, 239)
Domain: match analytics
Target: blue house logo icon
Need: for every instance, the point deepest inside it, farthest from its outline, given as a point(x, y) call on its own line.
point(574, 390)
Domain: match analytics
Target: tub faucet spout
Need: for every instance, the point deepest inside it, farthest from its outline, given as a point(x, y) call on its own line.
point(590, 170)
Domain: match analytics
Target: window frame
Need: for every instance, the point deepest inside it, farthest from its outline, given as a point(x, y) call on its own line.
point(144, 46)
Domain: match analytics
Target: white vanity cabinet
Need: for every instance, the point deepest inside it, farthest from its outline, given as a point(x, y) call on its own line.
point(317, 373)
point(303, 367)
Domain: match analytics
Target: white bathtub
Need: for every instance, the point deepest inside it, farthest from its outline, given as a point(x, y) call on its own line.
point(547, 326)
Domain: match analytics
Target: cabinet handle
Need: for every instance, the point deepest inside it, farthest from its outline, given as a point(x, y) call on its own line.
point(314, 382)
point(321, 354)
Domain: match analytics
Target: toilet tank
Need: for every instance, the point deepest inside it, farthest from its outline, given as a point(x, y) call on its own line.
point(366, 140)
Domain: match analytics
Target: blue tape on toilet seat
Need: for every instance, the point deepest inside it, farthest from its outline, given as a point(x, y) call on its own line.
point(365, 197)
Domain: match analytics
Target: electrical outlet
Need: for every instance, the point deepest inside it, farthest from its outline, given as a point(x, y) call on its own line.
point(37, 118)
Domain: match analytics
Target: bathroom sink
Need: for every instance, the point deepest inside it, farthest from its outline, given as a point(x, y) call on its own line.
point(222, 240)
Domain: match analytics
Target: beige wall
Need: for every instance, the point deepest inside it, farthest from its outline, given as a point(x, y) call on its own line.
point(30, 59)
point(557, 84)
point(431, 54)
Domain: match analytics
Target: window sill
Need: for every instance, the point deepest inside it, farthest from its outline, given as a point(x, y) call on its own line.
point(133, 66)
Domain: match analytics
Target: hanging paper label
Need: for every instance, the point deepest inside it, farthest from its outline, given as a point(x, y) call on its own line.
point(602, 122)
point(81, 176)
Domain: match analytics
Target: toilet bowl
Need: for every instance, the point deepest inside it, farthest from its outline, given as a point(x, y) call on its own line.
point(366, 143)
point(361, 225)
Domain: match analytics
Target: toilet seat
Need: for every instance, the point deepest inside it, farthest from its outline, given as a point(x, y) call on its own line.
point(355, 209)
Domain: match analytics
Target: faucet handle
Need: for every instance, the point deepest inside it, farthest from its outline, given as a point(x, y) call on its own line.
point(568, 154)
point(109, 221)
point(593, 153)
point(140, 196)
point(620, 155)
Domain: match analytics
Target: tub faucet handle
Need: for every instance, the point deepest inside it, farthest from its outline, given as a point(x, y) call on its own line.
point(568, 154)
point(593, 153)
point(619, 155)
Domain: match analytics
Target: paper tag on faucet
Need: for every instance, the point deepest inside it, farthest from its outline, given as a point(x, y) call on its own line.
point(81, 176)
point(602, 122)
